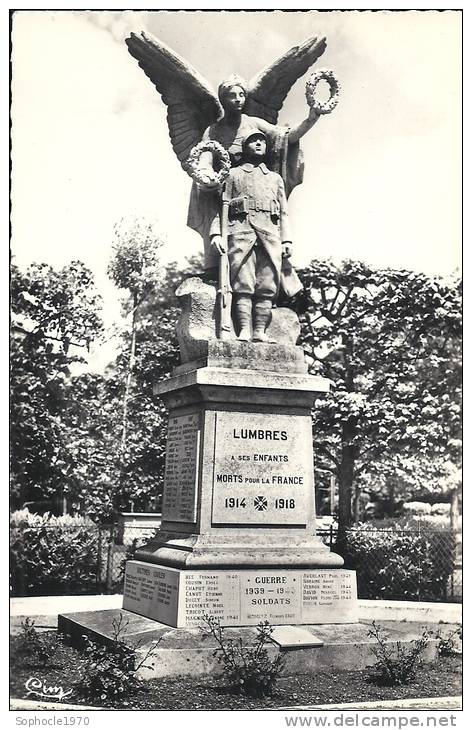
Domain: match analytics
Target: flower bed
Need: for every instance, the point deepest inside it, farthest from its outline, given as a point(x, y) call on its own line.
point(441, 679)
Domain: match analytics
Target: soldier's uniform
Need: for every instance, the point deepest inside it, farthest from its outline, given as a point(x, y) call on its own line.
point(257, 226)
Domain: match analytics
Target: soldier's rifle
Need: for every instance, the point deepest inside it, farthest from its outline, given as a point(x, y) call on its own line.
point(224, 281)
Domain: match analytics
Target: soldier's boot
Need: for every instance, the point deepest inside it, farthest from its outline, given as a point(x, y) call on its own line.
point(262, 315)
point(243, 315)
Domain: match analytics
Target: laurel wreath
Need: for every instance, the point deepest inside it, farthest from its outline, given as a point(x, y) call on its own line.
point(221, 164)
point(327, 106)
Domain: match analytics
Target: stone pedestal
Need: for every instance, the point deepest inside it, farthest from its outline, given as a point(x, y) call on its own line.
point(241, 597)
point(239, 492)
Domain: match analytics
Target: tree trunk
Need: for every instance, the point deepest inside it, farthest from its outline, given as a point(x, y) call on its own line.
point(110, 553)
point(391, 497)
point(332, 494)
point(348, 453)
point(355, 504)
point(454, 509)
point(129, 376)
point(346, 478)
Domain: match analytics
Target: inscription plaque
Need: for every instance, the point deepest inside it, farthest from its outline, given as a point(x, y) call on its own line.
point(181, 598)
point(263, 469)
point(210, 593)
point(151, 591)
point(181, 470)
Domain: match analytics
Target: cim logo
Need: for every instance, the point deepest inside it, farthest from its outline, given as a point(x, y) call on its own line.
point(39, 688)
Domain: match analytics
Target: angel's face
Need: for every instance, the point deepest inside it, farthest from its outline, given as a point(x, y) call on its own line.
point(235, 98)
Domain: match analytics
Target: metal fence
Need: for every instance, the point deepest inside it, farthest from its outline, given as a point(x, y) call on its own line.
point(422, 564)
point(115, 549)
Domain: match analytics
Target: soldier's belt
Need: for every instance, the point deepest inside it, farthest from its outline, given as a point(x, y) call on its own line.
point(241, 206)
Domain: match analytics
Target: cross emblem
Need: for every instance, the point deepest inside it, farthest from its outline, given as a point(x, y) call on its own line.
point(260, 503)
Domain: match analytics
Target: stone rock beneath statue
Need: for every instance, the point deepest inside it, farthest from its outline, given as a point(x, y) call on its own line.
point(284, 326)
point(197, 324)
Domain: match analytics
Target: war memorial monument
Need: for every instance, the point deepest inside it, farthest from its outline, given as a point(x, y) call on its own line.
point(238, 535)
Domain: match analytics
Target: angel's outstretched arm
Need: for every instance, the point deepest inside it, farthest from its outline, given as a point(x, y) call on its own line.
point(267, 91)
point(301, 129)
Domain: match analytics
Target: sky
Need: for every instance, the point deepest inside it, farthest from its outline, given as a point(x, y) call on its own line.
point(90, 143)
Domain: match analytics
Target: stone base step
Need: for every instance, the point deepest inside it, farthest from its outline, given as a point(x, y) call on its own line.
point(184, 652)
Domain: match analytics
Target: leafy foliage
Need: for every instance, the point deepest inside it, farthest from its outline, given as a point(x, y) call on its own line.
point(122, 417)
point(400, 478)
point(90, 422)
point(55, 314)
point(32, 647)
point(134, 265)
point(25, 518)
point(116, 458)
point(93, 425)
point(249, 670)
point(390, 343)
point(135, 268)
point(388, 340)
point(110, 671)
point(397, 664)
point(129, 554)
point(59, 306)
point(52, 556)
point(157, 349)
point(400, 564)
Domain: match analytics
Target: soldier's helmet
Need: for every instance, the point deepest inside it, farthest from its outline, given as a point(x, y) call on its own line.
point(251, 135)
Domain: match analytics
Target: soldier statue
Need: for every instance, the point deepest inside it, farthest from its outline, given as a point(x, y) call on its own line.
point(258, 236)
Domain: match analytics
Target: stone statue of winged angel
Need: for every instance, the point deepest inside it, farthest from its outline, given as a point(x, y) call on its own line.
point(215, 125)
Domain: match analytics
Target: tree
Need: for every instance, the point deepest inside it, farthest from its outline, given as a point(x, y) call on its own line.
point(113, 423)
point(90, 425)
point(158, 348)
point(389, 342)
point(148, 351)
point(156, 354)
point(55, 316)
point(135, 268)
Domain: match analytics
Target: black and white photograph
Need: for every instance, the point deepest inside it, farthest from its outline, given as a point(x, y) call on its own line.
point(236, 366)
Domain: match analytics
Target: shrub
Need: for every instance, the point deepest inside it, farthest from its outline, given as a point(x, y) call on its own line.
point(32, 647)
point(417, 508)
point(403, 565)
point(449, 645)
point(249, 670)
point(109, 671)
point(52, 555)
point(431, 522)
point(410, 522)
point(397, 664)
point(441, 508)
point(25, 518)
point(130, 554)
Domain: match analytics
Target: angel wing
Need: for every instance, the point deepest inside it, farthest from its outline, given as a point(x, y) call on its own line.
point(267, 91)
point(192, 105)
